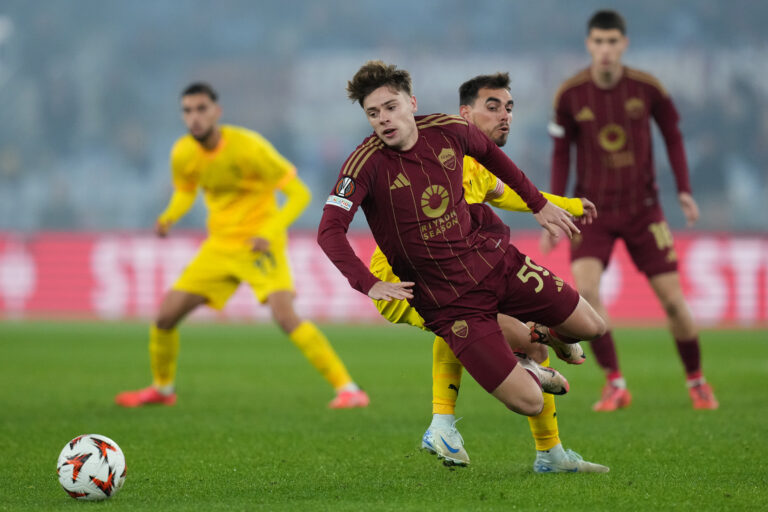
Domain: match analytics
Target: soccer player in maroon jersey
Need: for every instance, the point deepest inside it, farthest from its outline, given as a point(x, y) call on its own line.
point(457, 266)
point(605, 110)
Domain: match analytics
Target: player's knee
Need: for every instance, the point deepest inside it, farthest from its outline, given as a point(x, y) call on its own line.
point(598, 326)
point(591, 324)
point(533, 407)
point(524, 397)
point(527, 404)
point(673, 308)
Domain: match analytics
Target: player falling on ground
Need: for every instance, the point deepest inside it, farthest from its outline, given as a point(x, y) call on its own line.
point(458, 268)
point(239, 172)
point(486, 102)
point(605, 110)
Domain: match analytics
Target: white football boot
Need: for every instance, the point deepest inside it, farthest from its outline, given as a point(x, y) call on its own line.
point(445, 442)
point(558, 460)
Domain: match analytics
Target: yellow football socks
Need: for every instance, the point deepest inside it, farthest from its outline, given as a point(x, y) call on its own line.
point(446, 378)
point(315, 347)
point(544, 425)
point(163, 355)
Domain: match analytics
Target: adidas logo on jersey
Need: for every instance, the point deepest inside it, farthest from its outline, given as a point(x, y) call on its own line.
point(400, 182)
point(585, 114)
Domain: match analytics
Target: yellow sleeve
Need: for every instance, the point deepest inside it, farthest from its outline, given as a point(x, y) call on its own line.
point(572, 205)
point(184, 183)
point(297, 198)
point(181, 202)
point(510, 200)
point(273, 168)
point(479, 184)
point(395, 311)
point(183, 173)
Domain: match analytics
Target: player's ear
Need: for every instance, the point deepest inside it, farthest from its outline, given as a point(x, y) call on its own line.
point(413, 104)
point(464, 112)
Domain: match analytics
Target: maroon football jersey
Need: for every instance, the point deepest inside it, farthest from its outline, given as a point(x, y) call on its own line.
point(612, 132)
point(414, 203)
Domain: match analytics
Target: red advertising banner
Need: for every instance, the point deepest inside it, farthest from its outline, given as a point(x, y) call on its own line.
point(116, 276)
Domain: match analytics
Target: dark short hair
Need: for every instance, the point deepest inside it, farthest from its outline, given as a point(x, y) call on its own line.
point(374, 74)
point(607, 19)
point(469, 90)
point(200, 88)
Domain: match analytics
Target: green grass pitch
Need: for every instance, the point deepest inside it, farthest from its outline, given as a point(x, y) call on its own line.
point(251, 430)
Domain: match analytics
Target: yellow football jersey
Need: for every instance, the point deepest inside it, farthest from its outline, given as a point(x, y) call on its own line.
point(238, 178)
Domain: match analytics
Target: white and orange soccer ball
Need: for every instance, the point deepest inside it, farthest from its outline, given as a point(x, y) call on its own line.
point(91, 467)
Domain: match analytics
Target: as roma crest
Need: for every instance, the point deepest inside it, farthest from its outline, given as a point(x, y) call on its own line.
point(460, 328)
point(447, 157)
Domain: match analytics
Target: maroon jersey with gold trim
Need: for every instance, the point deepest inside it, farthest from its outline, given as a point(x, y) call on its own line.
point(612, 132)
point(414, 204)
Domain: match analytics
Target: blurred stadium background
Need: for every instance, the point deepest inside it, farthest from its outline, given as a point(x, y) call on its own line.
point(88, 96)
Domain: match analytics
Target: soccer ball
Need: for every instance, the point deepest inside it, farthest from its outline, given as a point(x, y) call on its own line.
point(91, 467)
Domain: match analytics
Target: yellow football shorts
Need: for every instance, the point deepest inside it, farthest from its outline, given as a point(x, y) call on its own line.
point(215, 272)
point(395, 311)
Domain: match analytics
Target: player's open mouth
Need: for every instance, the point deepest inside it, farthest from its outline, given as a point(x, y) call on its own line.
point(504, 128)
point(389, 132)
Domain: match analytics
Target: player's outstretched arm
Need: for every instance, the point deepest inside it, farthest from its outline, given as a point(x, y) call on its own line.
point(511, 201)
point(181, 202)
point(552, 217)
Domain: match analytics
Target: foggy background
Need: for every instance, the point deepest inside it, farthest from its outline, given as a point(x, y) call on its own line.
point(89, 92)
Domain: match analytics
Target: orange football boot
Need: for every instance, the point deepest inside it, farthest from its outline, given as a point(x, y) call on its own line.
point(350, 399)
point(144, 396)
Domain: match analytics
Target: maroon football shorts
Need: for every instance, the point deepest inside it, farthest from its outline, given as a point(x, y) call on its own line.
point(517, 287)
point(646, 235)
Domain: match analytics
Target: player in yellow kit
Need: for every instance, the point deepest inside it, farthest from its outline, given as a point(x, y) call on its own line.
point(486, 102)
point(239, 172)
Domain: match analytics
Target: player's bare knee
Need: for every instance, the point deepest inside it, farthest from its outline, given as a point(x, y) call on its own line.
point(524, 398)
point(672, 308)
point(535, 406)
point(591, 324)
point(599, 327)
point(529, 405)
